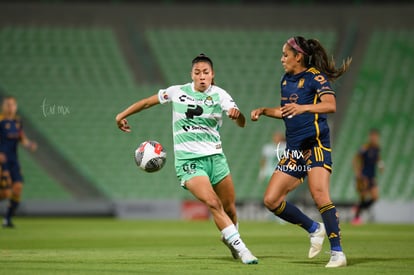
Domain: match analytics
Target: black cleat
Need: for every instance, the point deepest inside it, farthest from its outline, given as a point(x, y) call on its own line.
point(8, 224)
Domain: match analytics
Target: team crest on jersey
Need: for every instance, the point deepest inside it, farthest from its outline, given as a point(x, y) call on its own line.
point(7, 126)
point(284, 83)
point(301, 83)
point(209, 101)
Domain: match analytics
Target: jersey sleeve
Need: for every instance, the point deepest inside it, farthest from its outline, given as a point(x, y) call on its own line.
point(166, 95)
point(322, 85)
point(227, 102)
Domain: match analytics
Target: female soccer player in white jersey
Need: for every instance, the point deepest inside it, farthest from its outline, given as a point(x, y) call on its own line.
point(306, 99)
point(199, 160)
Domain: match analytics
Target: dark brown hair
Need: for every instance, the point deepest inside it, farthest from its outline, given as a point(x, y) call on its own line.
point(314, 55)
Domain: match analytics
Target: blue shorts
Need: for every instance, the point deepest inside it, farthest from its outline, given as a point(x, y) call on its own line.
point(14, 170)
point(298, 163)
point(365, 183)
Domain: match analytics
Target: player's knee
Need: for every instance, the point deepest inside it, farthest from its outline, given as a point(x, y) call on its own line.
point(321, 198)
point(213, 203)
point(230, 209)
point(270, 202)
point(5, 194)
point(17, 189)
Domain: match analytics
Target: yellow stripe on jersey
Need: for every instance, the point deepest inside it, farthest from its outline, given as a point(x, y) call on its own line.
point(313, 70)
point(315, 122)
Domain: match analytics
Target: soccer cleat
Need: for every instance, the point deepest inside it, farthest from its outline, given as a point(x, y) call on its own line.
point(248, 258)
point(7, 224)
point(316, 240)
point(338, 259)
point(233, 251)
point(356, 221)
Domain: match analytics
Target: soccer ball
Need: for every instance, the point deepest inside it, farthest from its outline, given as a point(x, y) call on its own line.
point(150, 156)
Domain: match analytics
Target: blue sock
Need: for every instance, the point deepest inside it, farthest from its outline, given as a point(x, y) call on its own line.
point(13, 204)
point(292, 214)
point(331, 221)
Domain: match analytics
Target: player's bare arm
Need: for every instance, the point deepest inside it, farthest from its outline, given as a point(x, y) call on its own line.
point(265, 111)
point(237, 116)
point(133, 109)
point(27, 143)
point(327, 105)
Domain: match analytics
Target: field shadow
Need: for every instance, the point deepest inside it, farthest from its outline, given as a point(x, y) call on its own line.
point(357, 261)
point(351, 261)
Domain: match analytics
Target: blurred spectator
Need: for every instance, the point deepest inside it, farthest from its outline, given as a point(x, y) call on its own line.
point(271, 153)
point(365, 165)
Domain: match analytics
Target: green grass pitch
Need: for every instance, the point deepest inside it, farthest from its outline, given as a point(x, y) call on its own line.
point(110, 246)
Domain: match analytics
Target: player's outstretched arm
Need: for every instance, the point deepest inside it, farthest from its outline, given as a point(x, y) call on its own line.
point(269, 112)
point(326, 106)
point(133, 109)
point(27, 143)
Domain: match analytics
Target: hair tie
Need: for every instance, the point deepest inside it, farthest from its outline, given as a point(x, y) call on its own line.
point(292, 42)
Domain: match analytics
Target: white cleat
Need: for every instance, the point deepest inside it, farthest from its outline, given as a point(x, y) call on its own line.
point(233, 251)
point(316, 240)
point(338, 259)
point(248, 258)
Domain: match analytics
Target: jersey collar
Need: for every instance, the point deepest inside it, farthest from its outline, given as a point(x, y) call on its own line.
point(195, 91)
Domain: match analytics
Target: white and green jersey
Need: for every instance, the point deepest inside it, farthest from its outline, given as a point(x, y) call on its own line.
point(197, 118)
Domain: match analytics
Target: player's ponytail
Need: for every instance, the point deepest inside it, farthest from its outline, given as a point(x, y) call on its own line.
point(314, 55)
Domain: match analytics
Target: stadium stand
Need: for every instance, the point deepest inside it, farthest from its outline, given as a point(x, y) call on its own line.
point(382, 99)
point(70, 83)
point(82, 71)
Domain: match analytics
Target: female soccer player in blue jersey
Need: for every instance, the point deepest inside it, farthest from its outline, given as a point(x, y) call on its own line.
point(200, 163)
point(306, 98)
point(11, 134)
point(365, 165)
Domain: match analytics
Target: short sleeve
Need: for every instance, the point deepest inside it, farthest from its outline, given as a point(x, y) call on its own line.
point(322, 86)
point(227, 102)
point(165, 95)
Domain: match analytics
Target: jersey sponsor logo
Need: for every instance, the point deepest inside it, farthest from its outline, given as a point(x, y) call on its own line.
point(193, 110)
point(301, 83)
point(194, 128)
point(293, 98)
point(184, 98)
point(164, 95)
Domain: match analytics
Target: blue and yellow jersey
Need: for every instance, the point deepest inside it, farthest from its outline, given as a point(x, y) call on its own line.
point(306, 130)
point(370, 155)
point(10, 136)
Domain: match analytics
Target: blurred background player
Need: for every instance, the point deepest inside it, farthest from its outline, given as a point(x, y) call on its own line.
point(11, 134)
point(306, 99)
point(201, 165)
point(365, 165)
point(272, 152)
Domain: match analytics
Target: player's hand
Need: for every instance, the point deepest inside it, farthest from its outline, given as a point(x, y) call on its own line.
point(32, 146)
point(123, 125)
point(256, 113)
point(292, 109)
point(233, 113)
point(3, 158)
